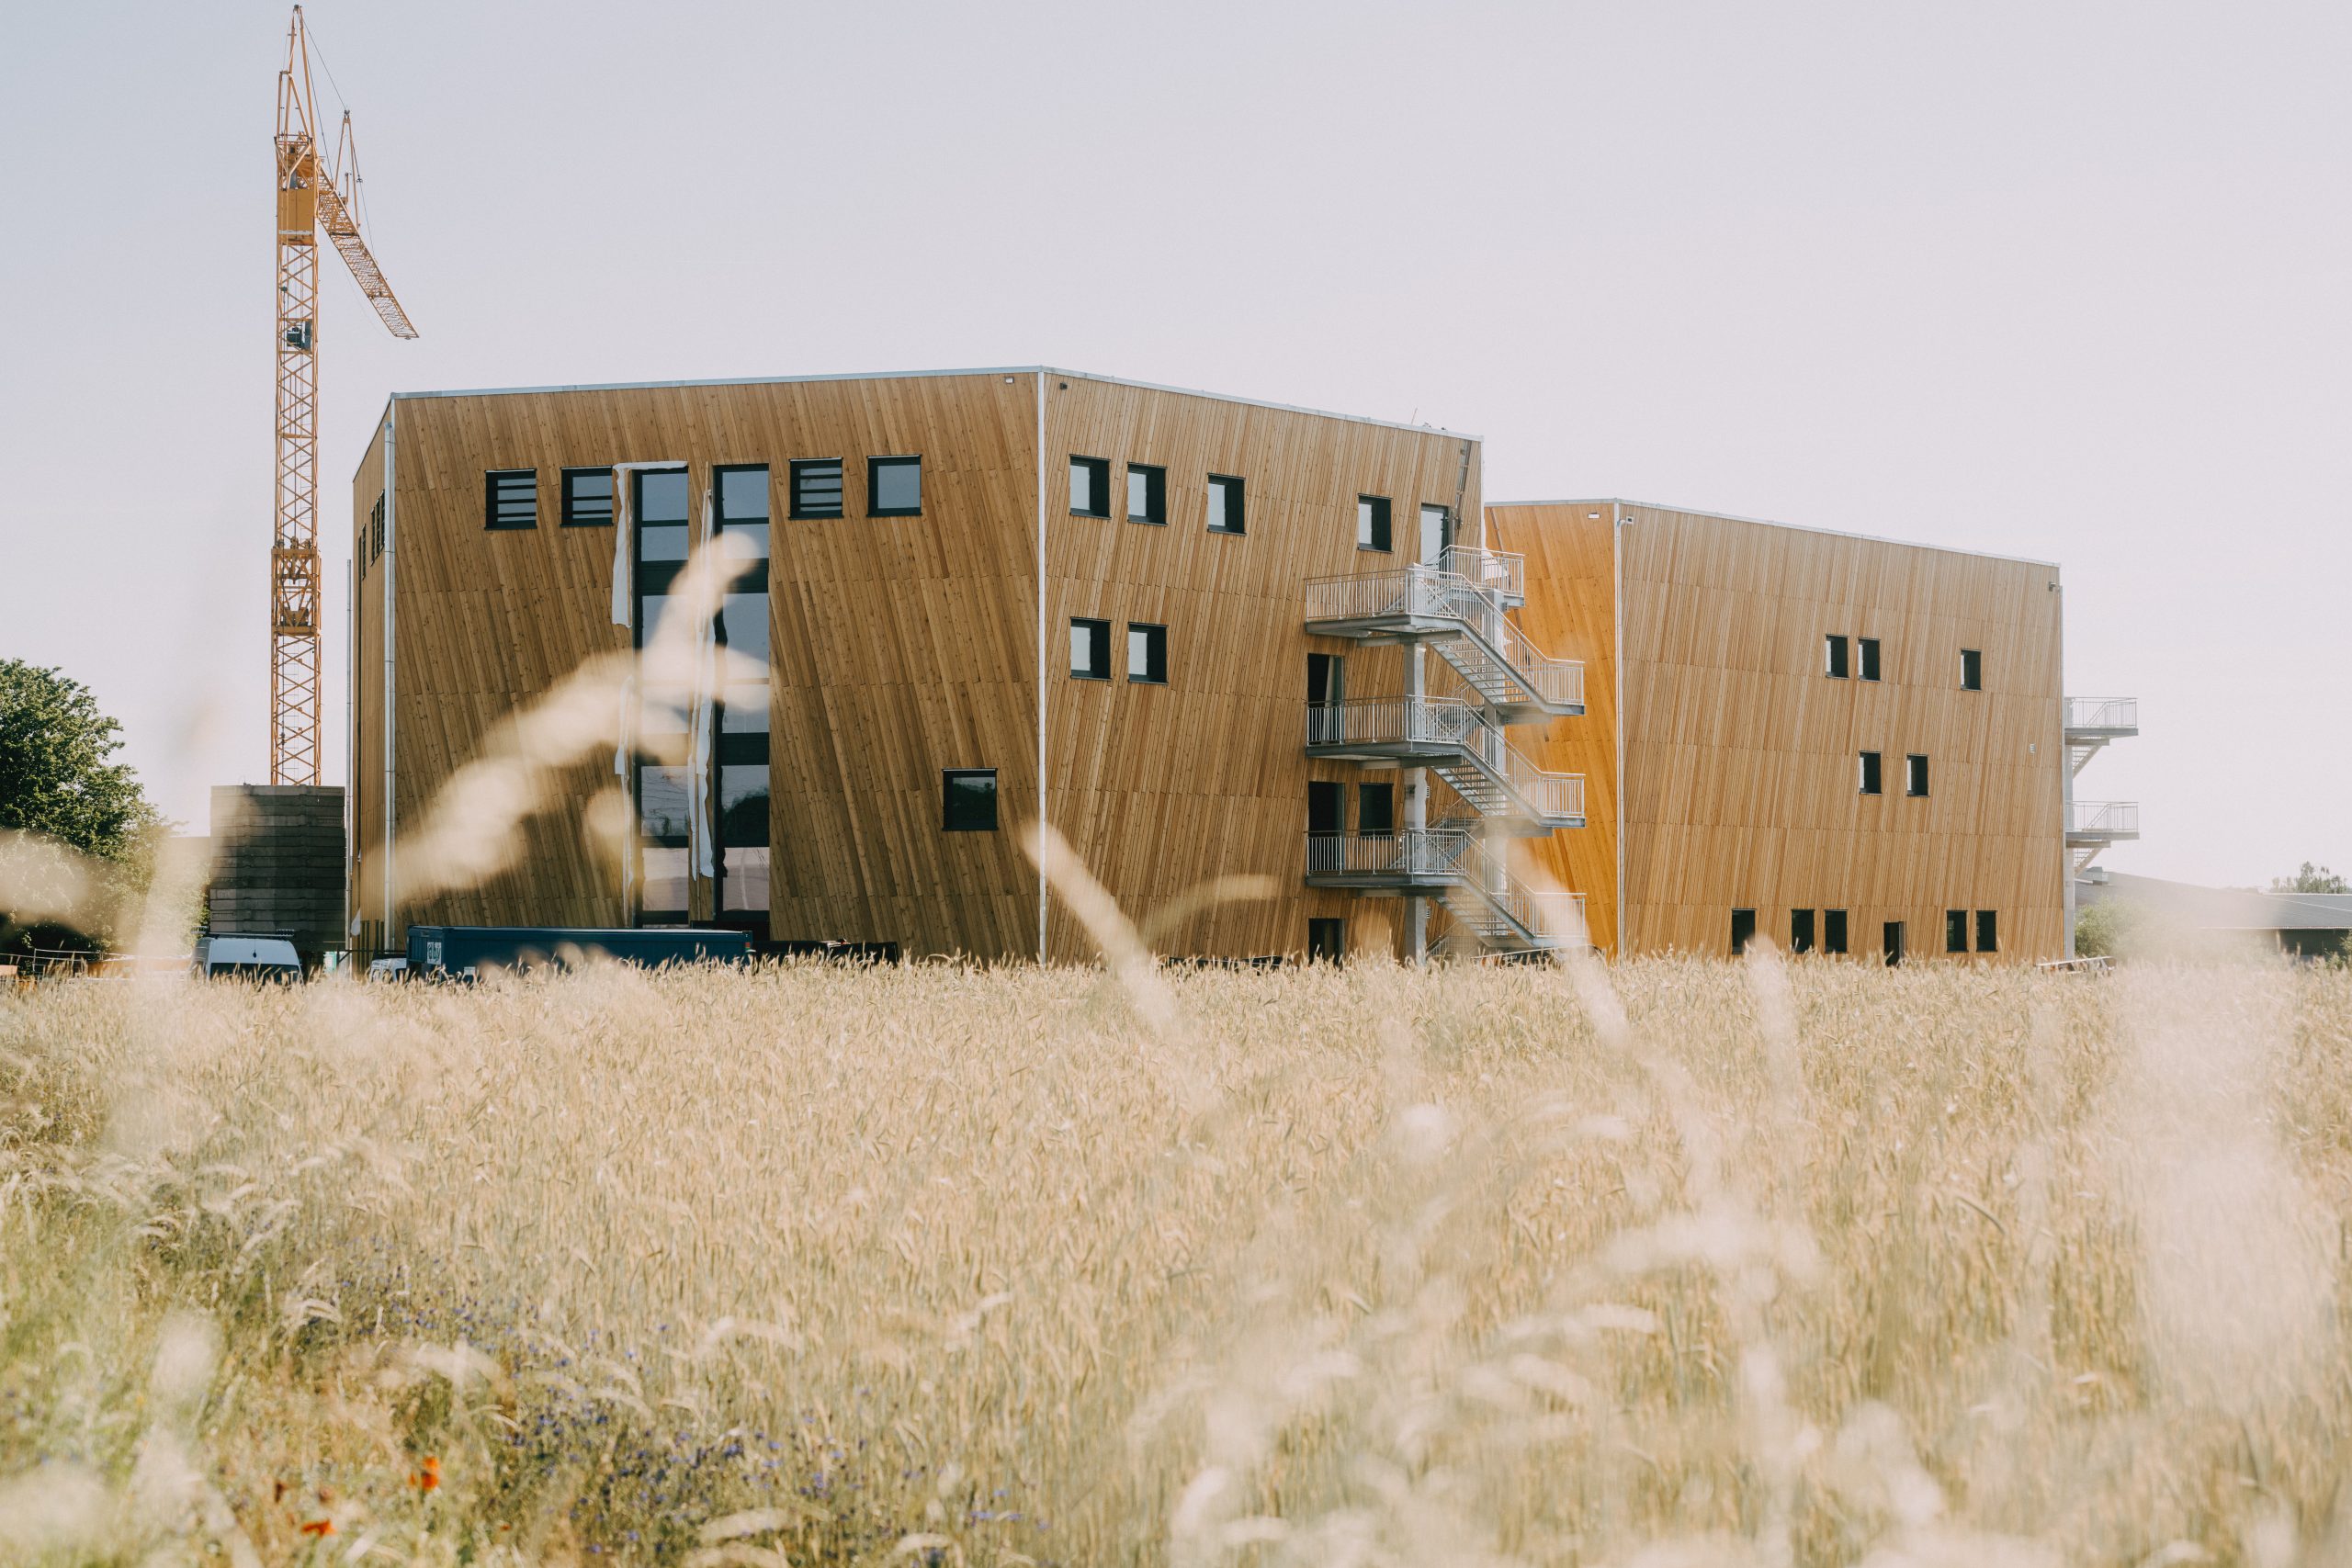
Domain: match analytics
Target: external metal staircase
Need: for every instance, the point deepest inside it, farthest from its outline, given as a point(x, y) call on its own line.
point(1458, 608)
point(2093, 824)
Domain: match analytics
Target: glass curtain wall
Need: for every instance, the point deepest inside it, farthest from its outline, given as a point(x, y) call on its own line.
point(741, 759)
point(659, 505)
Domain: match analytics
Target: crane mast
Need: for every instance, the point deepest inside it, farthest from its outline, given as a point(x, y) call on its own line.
point(312, 193)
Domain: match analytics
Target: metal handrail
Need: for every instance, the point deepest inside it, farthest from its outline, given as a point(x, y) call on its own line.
point(2102, 713)
point(1553, 915)
point(2103, 817)
point(1495, 571)
point(1447, 721)
point(1450, 855)
point(1434, 594)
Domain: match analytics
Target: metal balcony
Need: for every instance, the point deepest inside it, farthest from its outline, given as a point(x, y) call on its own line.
point(2102, 719)
point(1458, 741)
point(2094, 823)
point(1465, 620)
point(1500, 910)
point(1497, 572)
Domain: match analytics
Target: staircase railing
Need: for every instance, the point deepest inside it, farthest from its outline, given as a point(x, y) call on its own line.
point(1448, 723)
point(2109, 818)
point(1550, 917)
point(1434, 594)
point(2103, 713)
point(1490, 571)
point(1420, 854)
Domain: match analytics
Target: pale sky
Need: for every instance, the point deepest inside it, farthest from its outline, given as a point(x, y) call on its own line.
point(2051, 280)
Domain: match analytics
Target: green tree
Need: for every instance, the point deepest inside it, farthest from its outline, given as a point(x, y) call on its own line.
point(2310, 878)
point(58, 778)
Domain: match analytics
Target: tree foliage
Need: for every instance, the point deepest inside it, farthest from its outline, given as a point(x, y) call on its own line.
point(2310, 878)
point(59, 779)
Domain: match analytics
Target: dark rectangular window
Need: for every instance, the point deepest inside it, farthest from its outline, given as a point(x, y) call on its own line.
point(1089, 649)
point(1834, 655)
point(1800, 930)
point(742, 493)
point(1890, 941)
point(1833, 931)
point(1326, 683)
point(1376, 809)
point(894, 487)
point(511, 498)
point(743, 804)
point(1327, 807)
point(968, 803)
point(587, 498)
point(1148, 654)
point(817, 488)
point(1226, 509)
point(1870, 773)
point(1327, 940)
point(1955, 931)
point(1972, 670)
point(1988, 931)
point(1146, 493)
point(1743, 930)
point(1089, 487)
point(1915, 775)
point(1868, 649)
point(1372, 523)
point(660, 530)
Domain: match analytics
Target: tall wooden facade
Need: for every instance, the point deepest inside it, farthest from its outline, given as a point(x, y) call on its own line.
point(1735, 753)
point(901, 647)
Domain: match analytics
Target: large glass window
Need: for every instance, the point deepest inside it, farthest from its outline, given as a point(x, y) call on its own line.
point(894, 487)
point(743, 803)
point(657, 500)
point(587, 498)
point(743, 885)
point(661, 516)
point(511, 498)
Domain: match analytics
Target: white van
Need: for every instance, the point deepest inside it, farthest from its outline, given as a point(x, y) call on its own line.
point(248, 957)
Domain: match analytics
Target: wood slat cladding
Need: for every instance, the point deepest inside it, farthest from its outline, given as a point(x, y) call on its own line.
point(364, 747)
point(1740, 772)
point(901, 646)
point(1571, 613)
point(1163, 789)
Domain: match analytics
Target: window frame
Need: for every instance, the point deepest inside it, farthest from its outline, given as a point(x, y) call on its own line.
point(1914, 775)
point(947, 776)
point(1873, 773)
point(1098, 472)
point(1155, 641)
point(1866, 665)
point(567, 513)
point(1955, 931)
point(795, 512)
point(491, 523)
point(1239, 495)
point(1101, 630)
point(1972, 669)
point(1383, 518)
point(875, 468)
point(1155, 494)
point(1988, 931)
point(1836, 664)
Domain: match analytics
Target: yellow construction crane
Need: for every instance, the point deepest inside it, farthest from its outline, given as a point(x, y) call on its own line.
point(312, 194)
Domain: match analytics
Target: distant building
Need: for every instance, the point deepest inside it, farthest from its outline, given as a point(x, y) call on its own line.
point(2305, 924)
point(1205, 637)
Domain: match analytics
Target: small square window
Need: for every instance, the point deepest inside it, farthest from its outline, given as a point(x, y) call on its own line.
point(1226, 506)
point(1869, 651)
point(817, 488)
point(743, 494)
point(1955, 931)
point(587, 498)
point(1988, 931)
point(1743, 930)
point(1089, 487)
point(1972, 670)
point(1833, 931)
point(662, 495)
point(1915, 775)
point(1372, 523)
point(1148, 654)
point(968, 800)
point(1800, 930)
point(1870, 781)
point(1834, 656)
point(511, 498)
point(1090, 651)
point(894, 487)
point(743, 804)
point(1146, 494)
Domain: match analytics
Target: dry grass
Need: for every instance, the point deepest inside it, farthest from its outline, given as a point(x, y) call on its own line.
point(1679, 1262)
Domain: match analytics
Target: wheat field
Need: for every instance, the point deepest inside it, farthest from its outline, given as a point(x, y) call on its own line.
point(1670, 1262)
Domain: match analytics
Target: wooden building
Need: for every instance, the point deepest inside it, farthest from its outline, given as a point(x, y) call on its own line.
point(1280, 679)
